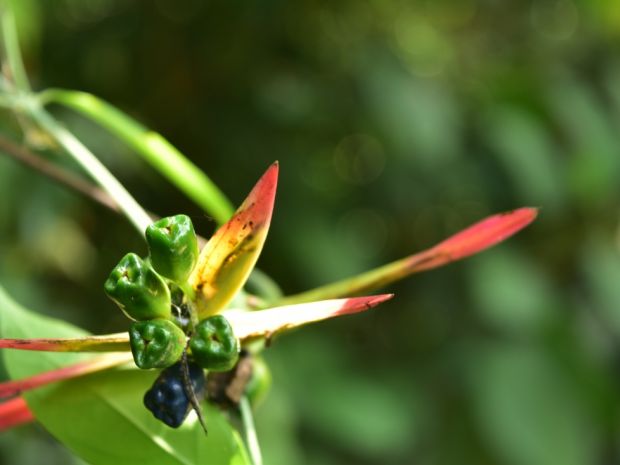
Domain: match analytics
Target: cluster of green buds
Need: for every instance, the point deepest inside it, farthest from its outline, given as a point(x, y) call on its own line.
point(154, 292)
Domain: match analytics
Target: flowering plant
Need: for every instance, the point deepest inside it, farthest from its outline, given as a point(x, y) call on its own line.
point(93, 403)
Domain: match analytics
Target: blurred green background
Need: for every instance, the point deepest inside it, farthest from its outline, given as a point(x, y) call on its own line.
point(396, 123)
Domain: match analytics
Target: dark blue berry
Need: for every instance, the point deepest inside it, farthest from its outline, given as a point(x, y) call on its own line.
point(168, 400)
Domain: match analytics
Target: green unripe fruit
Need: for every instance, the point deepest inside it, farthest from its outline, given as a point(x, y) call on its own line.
point(140, 292)
point(214, 345)
point(173, 247)
point(156, 343)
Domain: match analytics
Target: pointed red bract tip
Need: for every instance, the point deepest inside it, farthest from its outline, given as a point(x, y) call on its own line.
point(14, 412)
point(265, 188)
point(474, 239)
point(359, 304)
point(261, 199)
point(487, 232)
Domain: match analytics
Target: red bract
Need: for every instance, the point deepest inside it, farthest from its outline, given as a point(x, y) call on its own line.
point(12, 388)
point(14, 412)
point(474, 239)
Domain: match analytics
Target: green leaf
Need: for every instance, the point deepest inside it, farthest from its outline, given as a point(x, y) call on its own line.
point(103, 420)
point(101, 417)
point(154, 148)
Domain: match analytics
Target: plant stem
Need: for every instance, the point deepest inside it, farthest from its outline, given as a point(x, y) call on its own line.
point(56, 173)
point(118, 342)
point(251, 438)
point(68, 179)
point(13, 53)
point(154, 148)
point(134, 212)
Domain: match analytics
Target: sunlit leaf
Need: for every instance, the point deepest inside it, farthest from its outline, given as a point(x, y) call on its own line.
point(102, 418)
point(228, 258)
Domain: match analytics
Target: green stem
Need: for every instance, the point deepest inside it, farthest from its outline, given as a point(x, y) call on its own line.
point(190, 296)
point(118, 342)
point(154, 148)
point(134, 212)
point(188, 290)
point(13, 53)
point(251, 438)
point(357, 285)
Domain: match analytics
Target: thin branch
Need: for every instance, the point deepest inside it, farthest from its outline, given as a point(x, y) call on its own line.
point(149, 145)
point(65, 177)
point(91, 164)
point(54, 172)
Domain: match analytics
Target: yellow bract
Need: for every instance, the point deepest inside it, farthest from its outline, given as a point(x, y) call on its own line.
point(227, 259)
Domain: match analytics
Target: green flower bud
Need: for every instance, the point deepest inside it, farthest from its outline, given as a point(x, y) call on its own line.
point(173, 247)
point(156, 343)
point(214, 345)
point(140, 292)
